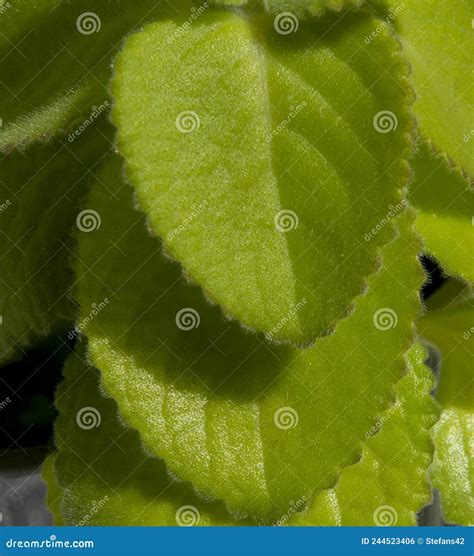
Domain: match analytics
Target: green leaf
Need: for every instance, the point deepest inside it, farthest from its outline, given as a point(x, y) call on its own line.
point(246, 421)
point(103, 469)
point(452, 470)
point(389, 485)
point(39, 204)
point(445, 203)
point(56, 62)
point(54, 492)
point(448, 326)
point(103, 476)
point(441, 63)
point(300, 8)
point(264, 159)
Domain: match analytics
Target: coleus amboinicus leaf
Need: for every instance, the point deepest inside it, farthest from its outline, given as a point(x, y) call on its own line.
point(102, 476)
point(448, 325)
point(257, 152)
point(55, 62)
point(441, 63)
point(444, 199)
point(251, 423)
point(289, 10)
point(40, 191)
point(389, 485)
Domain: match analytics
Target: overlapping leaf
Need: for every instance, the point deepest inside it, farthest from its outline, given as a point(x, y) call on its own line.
point(245, 421)
point(265, 157)
point(55, 61)
point(39, 195)
point(445, 203)
point(449, 326)
point(103, 469)
point(389, 485)
point(437, 41)
point(103, 476)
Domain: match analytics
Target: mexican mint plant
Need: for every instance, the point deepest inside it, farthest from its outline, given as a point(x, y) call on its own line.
point(224, 205)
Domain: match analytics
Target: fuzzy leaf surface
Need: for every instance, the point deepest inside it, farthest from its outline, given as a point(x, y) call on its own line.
point(55, 62)
point(448, 325)
point(102, 474)
point(299, 8)
point(244, 420)
point(39, 204)
point(389, 485)
point(437, 41)
point(123, 476)
point(445, 202)
point(242, 140)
